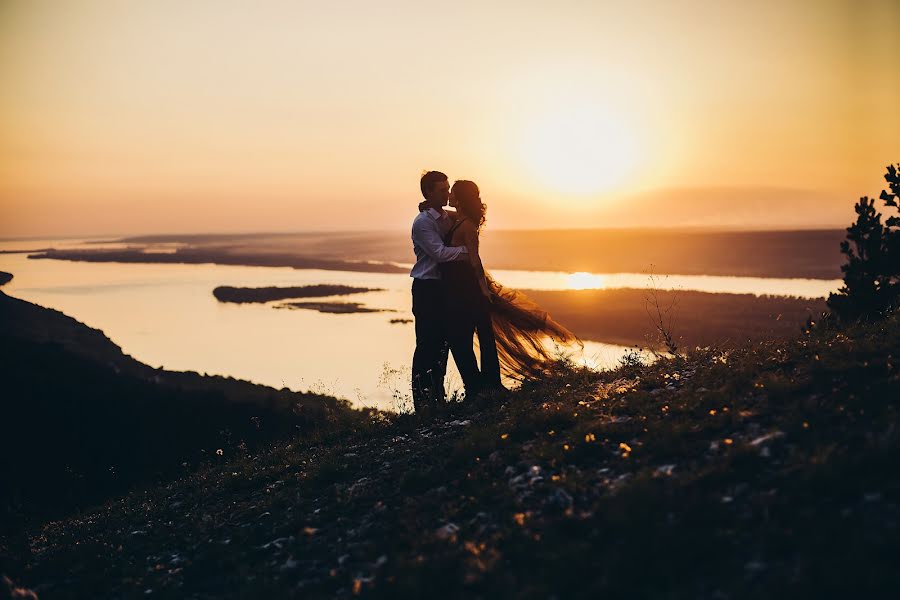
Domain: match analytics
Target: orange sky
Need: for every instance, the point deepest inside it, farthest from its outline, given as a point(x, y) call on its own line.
point(203, 116)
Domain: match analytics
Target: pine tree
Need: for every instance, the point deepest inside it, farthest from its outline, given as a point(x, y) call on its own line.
point(872, 272)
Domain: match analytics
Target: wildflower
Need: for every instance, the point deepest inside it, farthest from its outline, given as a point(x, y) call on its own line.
point(590, 438)
point(504, 436)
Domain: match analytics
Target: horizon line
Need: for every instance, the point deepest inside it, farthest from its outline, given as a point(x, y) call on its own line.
point(246, 233)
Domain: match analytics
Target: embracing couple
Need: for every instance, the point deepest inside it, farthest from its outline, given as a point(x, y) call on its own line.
point(454, 298)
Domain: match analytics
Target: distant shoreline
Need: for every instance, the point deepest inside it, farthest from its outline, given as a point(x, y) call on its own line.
point(809, 254)
point(198, 257)
point(175, 237)
point(158, 238)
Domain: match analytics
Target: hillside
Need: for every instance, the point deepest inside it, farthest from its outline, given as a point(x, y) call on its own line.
point(80, 421)
point(768, 471)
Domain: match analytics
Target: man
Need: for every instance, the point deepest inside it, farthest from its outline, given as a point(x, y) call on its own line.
point(428, 296)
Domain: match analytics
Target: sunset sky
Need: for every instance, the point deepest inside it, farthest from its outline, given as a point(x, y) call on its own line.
point(161, 116)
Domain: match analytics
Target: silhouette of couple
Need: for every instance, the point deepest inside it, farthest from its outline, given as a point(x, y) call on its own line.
point(454, 298)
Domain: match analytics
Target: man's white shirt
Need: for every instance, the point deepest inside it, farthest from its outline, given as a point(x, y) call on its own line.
point(427, 230)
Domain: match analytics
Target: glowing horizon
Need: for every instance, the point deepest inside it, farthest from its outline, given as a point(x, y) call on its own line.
point(134, 118)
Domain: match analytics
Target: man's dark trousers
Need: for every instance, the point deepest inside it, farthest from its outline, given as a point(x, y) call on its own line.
point(430, 359)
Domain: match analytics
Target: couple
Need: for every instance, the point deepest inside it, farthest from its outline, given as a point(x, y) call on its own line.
point(454, 298)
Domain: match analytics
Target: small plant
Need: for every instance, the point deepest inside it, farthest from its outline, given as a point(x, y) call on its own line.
point(632, 359)
point(396, 381)
point(661, 317)
point(872, 272)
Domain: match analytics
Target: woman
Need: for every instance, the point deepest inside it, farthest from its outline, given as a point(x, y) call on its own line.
point(511, 329)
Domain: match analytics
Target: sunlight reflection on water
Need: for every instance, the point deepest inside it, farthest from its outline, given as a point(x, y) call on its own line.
point(715, 284)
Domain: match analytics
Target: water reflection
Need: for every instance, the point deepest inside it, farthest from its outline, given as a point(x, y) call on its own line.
point(714, 284)
point(539, 280)
point(585, 281)
point(165, 315)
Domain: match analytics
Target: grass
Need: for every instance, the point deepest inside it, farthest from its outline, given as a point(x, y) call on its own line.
point(764, 471)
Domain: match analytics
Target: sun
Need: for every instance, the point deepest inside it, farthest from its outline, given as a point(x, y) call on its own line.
point(579, 150)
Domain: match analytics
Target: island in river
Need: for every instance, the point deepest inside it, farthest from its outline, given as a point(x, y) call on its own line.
point(242, 295)
point(338, 308)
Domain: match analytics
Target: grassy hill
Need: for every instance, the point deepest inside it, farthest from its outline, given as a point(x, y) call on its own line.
point(767, 471)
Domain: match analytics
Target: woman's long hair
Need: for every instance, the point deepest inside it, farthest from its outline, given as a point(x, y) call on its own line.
point(521, 327)
point(468, 202)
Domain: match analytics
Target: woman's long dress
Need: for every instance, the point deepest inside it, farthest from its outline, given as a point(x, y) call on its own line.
point(512, 330)
point(469, 312)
